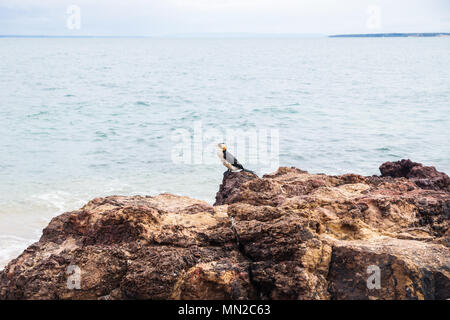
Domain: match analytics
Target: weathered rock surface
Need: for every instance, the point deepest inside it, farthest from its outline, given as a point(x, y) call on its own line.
point(287, 235)
point(424, 177)
point(163, 247)
point(231, 183)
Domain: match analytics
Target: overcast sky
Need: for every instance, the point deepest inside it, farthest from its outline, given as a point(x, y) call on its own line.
point(168, 17)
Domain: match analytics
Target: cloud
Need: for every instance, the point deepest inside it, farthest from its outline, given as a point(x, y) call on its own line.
point(150, 17)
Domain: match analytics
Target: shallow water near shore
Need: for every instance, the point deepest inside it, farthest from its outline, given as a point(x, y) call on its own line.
point(83, 118)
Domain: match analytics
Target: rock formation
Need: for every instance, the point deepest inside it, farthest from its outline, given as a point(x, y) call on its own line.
point(424, 177)
point(287, 235)
point(231, 184)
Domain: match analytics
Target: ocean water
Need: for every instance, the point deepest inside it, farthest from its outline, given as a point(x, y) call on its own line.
point(82, 118)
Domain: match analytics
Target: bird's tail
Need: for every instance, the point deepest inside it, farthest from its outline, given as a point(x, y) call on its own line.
point(250, 171)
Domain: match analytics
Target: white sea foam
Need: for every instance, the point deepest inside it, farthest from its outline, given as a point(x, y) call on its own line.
point(10, 246)
point(58, 200)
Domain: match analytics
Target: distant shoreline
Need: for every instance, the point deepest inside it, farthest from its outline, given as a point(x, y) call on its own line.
point(235, 36)
point(391, 35)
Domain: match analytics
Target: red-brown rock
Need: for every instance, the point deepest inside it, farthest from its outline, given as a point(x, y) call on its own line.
point(424, 177)
point(287, 235)
point(229, 189)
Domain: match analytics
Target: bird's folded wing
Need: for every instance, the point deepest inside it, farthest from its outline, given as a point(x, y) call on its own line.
point(231, 159)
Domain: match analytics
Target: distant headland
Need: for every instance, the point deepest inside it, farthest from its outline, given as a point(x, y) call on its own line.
point(390, 35)
point(237, 35)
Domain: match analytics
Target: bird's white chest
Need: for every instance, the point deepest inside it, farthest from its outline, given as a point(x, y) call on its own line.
point(224, 161)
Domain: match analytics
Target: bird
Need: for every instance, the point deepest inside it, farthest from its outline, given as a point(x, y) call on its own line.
point(229, 160)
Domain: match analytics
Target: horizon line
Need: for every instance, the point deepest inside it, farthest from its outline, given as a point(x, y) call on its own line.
point(238, 35)
point(187, 35)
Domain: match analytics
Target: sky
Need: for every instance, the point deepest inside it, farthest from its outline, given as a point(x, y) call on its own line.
point(188, 17)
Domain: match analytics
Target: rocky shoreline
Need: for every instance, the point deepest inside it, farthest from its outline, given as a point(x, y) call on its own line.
point(287, 235)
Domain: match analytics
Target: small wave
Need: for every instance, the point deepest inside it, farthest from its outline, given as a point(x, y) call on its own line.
point(101, 134)
point(108, 85)
point(37, 115)
point(276, 110)
point(100, 165)
point(10, 237)
point(384, 149)
point(11, 246)
point(396, 156)
point(56, 199)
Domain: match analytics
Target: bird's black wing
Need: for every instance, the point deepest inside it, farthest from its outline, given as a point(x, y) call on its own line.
point(231, 159)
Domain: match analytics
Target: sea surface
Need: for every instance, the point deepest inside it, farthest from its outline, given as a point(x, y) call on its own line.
point(83, 118)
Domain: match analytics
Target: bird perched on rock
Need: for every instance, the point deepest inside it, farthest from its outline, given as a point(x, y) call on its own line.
point(229, 160)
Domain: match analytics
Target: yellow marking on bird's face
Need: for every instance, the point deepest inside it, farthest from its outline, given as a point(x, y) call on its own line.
point(224, 148)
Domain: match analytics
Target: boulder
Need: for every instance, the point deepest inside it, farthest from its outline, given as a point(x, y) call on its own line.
point(423, 176)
